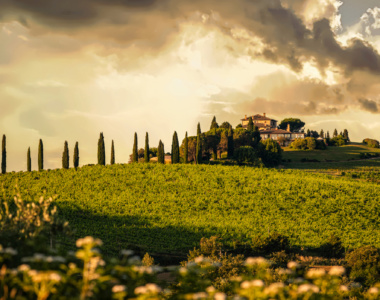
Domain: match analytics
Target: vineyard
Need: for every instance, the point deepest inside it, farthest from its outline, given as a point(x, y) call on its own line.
point(169, 208)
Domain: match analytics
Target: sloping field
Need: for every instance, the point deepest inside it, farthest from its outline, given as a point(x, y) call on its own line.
point(168, 208)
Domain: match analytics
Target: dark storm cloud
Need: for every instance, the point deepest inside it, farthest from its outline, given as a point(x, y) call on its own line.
point(369, 105)
point(288, 39)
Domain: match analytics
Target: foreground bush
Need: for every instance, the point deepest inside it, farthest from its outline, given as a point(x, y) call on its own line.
point(371, 143)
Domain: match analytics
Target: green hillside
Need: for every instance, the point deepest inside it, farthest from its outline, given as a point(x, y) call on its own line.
point(168, 208)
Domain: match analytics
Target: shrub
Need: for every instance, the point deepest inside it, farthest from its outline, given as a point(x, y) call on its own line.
point(338, 141)
point(275, 242)
point(371, 143)
point(246, 155)
point(311, 143)
point(300, 144)
point(364, 264)
point(271, 152)
point(333, 248)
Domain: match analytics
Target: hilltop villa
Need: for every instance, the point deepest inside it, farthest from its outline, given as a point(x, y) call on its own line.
point(268, 129)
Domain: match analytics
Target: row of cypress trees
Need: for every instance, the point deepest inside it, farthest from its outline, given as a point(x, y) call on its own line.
point(175, 153)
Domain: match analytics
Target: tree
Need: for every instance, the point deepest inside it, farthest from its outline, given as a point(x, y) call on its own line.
point(322, 134)
point(230, 146)
point(175, 149)
point(65, 156)
point(214, 124)
point(112, 162)
point(295, 124)
point(223, 145)
point(76, 155)
point(160, 153)
point(308, 133)
point(146, 152)
point(250, 124)
point(28, 161)
point(345, 135)
point(101, 151)
point(225, 125)
point(335, 134)
point(4, 156)
point(198, 157)
point(271, 153)
point(135, 157)
point(328, 135)
point(186, 150)
point(247, 155)
point(314, 134)
point(239, 126)
point(40, 156)
point(256, 137)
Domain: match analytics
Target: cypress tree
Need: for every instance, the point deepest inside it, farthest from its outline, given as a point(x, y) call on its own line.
point(101, 151)
point(322, 134)
point(65, 156)
point(335, 134)
point(135, 157)
point(250, 124)
point(345, 135)
point(40, 156)
point(214, 125)
point(76, 155)
point(328, 135)
point(230, 146)
point(175, 149)
point(198, 153)
point(308, 133)
point(146, 152)
point(160, 153)
point(186, 150)
point(4, 156)
point(28, 161)
point(112, 154)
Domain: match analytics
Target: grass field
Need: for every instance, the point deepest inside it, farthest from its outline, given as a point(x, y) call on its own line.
point(333, 154)
point(169, 208)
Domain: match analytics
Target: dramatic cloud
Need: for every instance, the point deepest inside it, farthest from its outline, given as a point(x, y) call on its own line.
point(71, 69)
point(369, 105)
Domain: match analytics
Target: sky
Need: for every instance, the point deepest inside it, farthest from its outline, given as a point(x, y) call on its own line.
point(72, 69)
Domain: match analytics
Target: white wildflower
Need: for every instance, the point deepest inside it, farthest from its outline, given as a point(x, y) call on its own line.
point(293, 265)
point(220, 296)
point(274, 288)
point(23, 268)
point(245, 285)
point(126, 252)
point(87, 241)
point(141, 290)
point(55, 277)
point(251, 261)
point(257, 283)
point(343, 288)
point(118, 288)
point(10, 251)
point(285, 271)
point(153, 288)
point(315, 273)
point(134, 260)
point(373, 290)
point(201, 295)
point(307, 287)
point(337, 271)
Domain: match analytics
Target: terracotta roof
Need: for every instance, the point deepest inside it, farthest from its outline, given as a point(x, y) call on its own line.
point(279, 131)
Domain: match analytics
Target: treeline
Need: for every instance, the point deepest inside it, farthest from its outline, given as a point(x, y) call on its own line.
point(242, 146)
point(335, 140)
